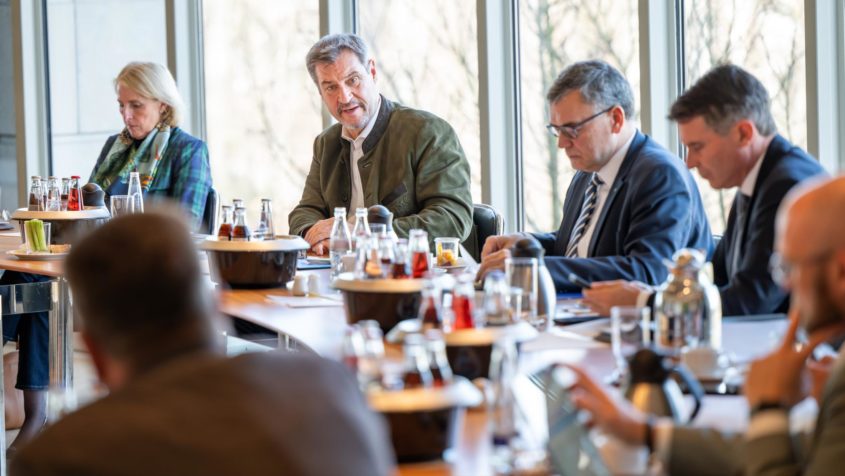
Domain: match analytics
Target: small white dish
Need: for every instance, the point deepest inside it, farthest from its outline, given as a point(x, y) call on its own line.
point(38, 256)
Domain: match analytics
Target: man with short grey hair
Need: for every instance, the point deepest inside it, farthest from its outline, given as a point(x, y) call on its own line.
point(381, 152)
point(631, 204)
point(725, 122)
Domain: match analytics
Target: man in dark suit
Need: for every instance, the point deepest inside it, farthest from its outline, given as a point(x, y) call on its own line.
point(632, 203)
point(727, 126)
point(810, 260)
point(177, 406)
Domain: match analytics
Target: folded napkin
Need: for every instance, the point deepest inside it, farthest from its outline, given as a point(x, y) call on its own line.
point(305, 301)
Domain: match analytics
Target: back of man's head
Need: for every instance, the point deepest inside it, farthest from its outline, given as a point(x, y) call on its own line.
point(599, 83)
point(137, 285)
point(724, 95)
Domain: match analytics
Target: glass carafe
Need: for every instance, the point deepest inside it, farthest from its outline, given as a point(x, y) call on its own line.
point(339, 243)
point(241, 231)
point(136, 195)
point(226, 227)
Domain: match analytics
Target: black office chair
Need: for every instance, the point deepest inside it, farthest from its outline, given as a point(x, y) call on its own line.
point(486, 222)
point(211, 215)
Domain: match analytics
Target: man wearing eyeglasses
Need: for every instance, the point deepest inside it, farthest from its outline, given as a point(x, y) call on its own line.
point(631, 204)
point(726, 124)
point(810, 247)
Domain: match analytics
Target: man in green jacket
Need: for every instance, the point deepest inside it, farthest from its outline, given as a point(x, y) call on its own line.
point(380, 153)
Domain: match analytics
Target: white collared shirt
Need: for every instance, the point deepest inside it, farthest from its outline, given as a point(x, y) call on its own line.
point(607, 174)
point(355, 154)
point(750, 180)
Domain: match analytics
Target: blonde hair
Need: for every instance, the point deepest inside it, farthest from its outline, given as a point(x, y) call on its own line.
point(154, 81)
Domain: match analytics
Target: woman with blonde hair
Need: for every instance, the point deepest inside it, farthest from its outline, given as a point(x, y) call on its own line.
point(171, 162)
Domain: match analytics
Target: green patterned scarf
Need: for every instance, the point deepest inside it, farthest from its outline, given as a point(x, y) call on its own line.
point(122, 158)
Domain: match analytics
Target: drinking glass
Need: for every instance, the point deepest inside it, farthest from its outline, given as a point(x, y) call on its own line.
point(31, 245)
point(626, 335)
point(448, 251)
point(120, 205)
point(522, 273)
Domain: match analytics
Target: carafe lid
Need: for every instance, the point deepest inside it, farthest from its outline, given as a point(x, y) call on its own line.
point(648, 366)
point(527, 247)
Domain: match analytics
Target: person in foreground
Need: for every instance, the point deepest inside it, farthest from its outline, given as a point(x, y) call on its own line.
point(810, 261)
point(725, 121)
point(172, 163)
point(177, 405)
point(631, 204)
point(380, 152)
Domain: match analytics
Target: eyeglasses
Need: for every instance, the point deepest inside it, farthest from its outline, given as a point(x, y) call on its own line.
point(571, 131)
point(781, 269)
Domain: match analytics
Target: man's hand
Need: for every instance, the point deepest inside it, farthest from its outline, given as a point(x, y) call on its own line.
point(318, 236)
point(494, 253)
point(606, 294)
point(492, 261)
point(321, 248)
point(779, 376)
point(615, 416)
point(499, 242)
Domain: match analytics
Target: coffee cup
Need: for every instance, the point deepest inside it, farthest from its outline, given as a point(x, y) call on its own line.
point(704, 362)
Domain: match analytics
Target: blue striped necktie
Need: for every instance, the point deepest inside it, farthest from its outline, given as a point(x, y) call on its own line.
point(584, 218)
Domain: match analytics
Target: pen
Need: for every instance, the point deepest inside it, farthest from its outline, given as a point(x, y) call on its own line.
point(579, 281)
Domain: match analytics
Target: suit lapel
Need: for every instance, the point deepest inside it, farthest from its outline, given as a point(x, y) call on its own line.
point(777, 149)
point(618, 185)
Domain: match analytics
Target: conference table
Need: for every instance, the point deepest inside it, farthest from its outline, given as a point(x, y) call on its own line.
point(321, 330)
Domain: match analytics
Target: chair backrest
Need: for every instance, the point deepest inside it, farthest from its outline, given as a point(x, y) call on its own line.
point(486, 222)
point(211, 215)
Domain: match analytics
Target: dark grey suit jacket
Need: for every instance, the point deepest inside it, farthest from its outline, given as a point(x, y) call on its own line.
point(750, 289)
point(265, 413)
point(653, 209)
point(701, 452)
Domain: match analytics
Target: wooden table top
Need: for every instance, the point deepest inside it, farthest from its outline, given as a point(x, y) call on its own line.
point(11, 241)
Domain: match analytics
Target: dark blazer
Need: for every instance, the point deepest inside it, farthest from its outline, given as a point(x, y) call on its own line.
point(652, 210)
point(750, 290)
point(267, 413)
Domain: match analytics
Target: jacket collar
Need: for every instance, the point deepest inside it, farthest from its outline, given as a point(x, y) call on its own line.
point(380, 127)
point(778, 147)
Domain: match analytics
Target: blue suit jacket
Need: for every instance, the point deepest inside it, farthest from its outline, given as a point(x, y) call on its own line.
point(652, 209)
point(751, 290)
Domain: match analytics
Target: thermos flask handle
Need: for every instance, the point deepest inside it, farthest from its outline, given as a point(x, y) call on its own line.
point(694, 387)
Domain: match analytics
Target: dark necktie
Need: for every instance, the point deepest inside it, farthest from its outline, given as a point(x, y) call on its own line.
point(742, 202)
point(587, 210)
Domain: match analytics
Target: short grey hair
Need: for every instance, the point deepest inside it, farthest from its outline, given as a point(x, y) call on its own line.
point(723, 96)
point(329, 47)
point(154, 81)
point(599, 83)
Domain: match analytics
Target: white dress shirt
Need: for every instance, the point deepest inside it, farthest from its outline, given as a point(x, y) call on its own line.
point(607, 174)
point(355, 154)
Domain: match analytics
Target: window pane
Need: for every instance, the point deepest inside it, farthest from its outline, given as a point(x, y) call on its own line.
point(766, 37)
point(262, 108)
point(8, 159)
point(554, 34)
point(429, 60)
point(88, 46)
